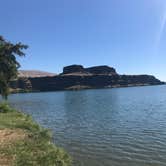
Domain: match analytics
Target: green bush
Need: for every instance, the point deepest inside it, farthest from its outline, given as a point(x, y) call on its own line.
point(4, 108)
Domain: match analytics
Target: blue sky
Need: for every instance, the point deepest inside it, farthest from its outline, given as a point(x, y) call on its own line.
point(129, 35)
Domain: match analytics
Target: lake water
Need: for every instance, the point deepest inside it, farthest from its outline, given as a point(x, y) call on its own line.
point(107, 127)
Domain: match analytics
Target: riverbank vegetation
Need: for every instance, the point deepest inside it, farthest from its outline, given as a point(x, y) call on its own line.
point(9, 64)
point(24, 142)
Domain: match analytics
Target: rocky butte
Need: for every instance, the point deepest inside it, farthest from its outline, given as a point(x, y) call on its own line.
point(76, 77)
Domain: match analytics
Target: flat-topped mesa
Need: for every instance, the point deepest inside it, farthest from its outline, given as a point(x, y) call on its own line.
point(76, 77)
point(73, 69)
point(96, 70)
point(101, 70)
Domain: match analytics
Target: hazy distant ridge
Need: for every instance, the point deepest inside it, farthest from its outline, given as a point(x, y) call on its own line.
point(34, 73)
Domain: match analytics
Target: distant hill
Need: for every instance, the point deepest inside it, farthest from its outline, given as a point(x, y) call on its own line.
point(75, 77)
point(34, 73)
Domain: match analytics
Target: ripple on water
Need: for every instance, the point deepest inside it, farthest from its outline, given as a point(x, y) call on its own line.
point(109, 127)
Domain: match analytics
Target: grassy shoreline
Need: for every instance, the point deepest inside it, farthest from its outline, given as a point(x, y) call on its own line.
point(24, 142)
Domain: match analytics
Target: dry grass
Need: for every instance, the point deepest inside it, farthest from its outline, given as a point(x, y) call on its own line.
point(7, 138)
point(6, 160)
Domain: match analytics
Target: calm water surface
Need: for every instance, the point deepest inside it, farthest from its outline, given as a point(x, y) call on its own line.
point(109, 127)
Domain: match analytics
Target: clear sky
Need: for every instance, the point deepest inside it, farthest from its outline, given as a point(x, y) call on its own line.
point(129, 35)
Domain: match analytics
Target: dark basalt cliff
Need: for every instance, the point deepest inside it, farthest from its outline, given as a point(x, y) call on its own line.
point(78, 77)
point(73, 69)
point(96, 70)
point(101, 70)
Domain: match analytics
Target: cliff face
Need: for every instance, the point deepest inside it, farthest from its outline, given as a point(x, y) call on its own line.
point(96, 70)
point(101, 70)
point(78, 77)
point(73, 69)
point(95, 81)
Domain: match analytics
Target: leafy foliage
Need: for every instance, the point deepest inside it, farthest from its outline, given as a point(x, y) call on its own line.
point(4, 108)
point(8, 63)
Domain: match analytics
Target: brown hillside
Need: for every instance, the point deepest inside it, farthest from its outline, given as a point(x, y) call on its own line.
point(34, 73)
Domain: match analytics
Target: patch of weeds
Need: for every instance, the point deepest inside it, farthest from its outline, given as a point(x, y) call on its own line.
point(36, 148)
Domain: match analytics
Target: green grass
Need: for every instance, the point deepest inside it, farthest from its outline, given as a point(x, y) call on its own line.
point(36, 149)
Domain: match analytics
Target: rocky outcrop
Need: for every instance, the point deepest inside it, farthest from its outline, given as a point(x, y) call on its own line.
point(101, 70)
point(78, 77)
point(96, 70)
point(73, 69)
point(23, 83)
point(95, 81)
